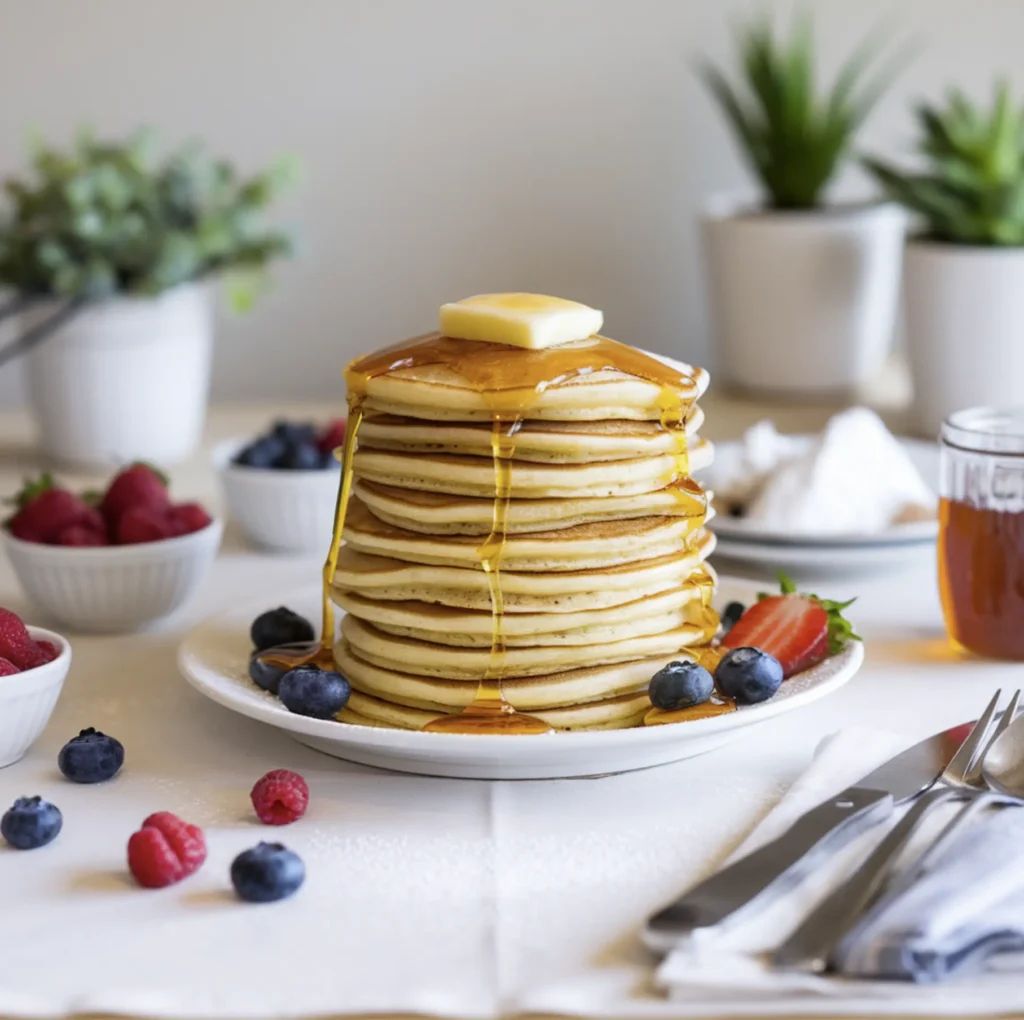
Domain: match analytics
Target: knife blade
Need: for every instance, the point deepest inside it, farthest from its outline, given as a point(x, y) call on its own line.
point(784, 862)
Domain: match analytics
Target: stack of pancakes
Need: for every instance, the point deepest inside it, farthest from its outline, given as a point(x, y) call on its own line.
point(602, 577)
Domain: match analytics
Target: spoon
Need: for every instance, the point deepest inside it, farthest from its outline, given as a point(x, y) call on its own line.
point(1003, 766)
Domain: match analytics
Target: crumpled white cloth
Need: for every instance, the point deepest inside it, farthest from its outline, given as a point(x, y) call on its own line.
point(726, 972)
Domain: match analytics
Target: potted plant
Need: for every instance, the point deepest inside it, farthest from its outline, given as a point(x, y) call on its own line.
point(964, 268)
point(110, 253)
point(803, 295)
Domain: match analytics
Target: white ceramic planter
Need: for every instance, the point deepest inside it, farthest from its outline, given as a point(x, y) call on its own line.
point(802, 302)
point(125, 380)
point(964, 309)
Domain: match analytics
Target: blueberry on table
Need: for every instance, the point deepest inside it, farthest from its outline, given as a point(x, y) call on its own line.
point(91, 757)
point(308, 690)
point(30, 822)
point(680, 685)
point(732, 612)
point(267, 872)
point(748, 675)
point(279, 626)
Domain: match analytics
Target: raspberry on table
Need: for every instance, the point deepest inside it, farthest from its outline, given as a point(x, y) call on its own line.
point(165, 850)
point(280, 797)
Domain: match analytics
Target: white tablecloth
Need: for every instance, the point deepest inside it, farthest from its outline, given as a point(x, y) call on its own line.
point(448, 896)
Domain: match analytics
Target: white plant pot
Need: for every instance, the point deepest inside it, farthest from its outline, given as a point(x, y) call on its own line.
point(802, 302)
point(964, 311)
point(125, 380)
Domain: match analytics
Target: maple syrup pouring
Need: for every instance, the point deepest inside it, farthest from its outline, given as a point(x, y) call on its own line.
point(510, 379)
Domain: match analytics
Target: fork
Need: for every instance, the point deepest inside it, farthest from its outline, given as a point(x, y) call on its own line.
point(811, 946)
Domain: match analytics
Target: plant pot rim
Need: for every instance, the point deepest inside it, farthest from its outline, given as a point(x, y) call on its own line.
point(930, 246)
point(741, 207)
point(124, 297)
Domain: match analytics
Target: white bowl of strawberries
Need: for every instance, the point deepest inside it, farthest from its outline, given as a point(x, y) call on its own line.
point(113, 564)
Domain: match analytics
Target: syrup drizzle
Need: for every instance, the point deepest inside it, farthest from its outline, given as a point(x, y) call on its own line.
point(510, 380)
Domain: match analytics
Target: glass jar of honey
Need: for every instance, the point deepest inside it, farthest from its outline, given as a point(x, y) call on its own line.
point(981, 531)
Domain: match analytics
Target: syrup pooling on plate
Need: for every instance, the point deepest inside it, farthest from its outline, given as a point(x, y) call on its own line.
point(510, 380)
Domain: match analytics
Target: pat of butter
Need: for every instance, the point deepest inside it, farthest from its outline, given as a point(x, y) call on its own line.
point(534, 321)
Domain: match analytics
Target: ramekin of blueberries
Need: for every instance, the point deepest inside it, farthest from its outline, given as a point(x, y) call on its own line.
point(281, 486)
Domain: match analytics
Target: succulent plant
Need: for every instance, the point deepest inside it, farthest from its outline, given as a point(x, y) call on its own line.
point(109, 217)
point(971, 187)
point(793, 139)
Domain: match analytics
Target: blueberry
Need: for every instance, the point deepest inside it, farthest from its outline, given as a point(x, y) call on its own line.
point(265, 675)
point(263, 453)
point(680, 685)
point(91, 757)
point(267, 872)
point(310, 691)
point(293, 432)
point(279, 626)
point(732, 612)
point(30, 822)
point(301, 457)
point(748, 675)
point(327, 459)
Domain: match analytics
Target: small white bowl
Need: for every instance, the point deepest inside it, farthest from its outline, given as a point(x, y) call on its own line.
point(284, 511)
point(27, 699)
point(114, 588)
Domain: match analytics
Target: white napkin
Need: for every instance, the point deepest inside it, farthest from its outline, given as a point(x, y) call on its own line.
point(724, 972)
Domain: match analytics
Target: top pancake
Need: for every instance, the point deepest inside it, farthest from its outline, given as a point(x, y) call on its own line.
point(439, 391)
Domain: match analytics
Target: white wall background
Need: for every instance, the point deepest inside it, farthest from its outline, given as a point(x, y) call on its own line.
point(451, 146)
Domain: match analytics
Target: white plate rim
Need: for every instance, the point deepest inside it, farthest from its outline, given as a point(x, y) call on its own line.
point(240, 695)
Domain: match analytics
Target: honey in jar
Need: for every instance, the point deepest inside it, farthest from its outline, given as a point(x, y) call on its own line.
point(981, 531)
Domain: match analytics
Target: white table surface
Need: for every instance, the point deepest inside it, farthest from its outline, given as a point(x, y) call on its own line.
point(627, 842)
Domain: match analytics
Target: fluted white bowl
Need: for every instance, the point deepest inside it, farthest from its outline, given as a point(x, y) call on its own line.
point(116, 588)
point(27, 699)
point(284, 511)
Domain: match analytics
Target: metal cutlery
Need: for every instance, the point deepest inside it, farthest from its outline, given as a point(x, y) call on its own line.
point(812, 945)
point(784, 862)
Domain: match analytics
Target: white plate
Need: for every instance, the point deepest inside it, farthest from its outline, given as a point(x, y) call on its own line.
point(214, 659)
point(748, 542)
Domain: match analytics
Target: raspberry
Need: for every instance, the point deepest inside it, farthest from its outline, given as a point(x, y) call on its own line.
point(16, 645)
point(7, 667)
point(137, 485)
point(145, 524)
point(188, 517)
point(165, 850)
point(49, 650)
point(280, 797)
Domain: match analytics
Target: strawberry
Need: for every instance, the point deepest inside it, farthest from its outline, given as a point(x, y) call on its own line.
point(45, 509)
point(16, 644)
point(145, 524)
point(332, 436)
point(188, 517)
point(136, 485)
point(798, 630)
point(85, 533)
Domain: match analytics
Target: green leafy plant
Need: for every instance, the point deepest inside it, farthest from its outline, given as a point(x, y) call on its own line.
point(110, 218)
point(971, 187)
point(794, 139)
